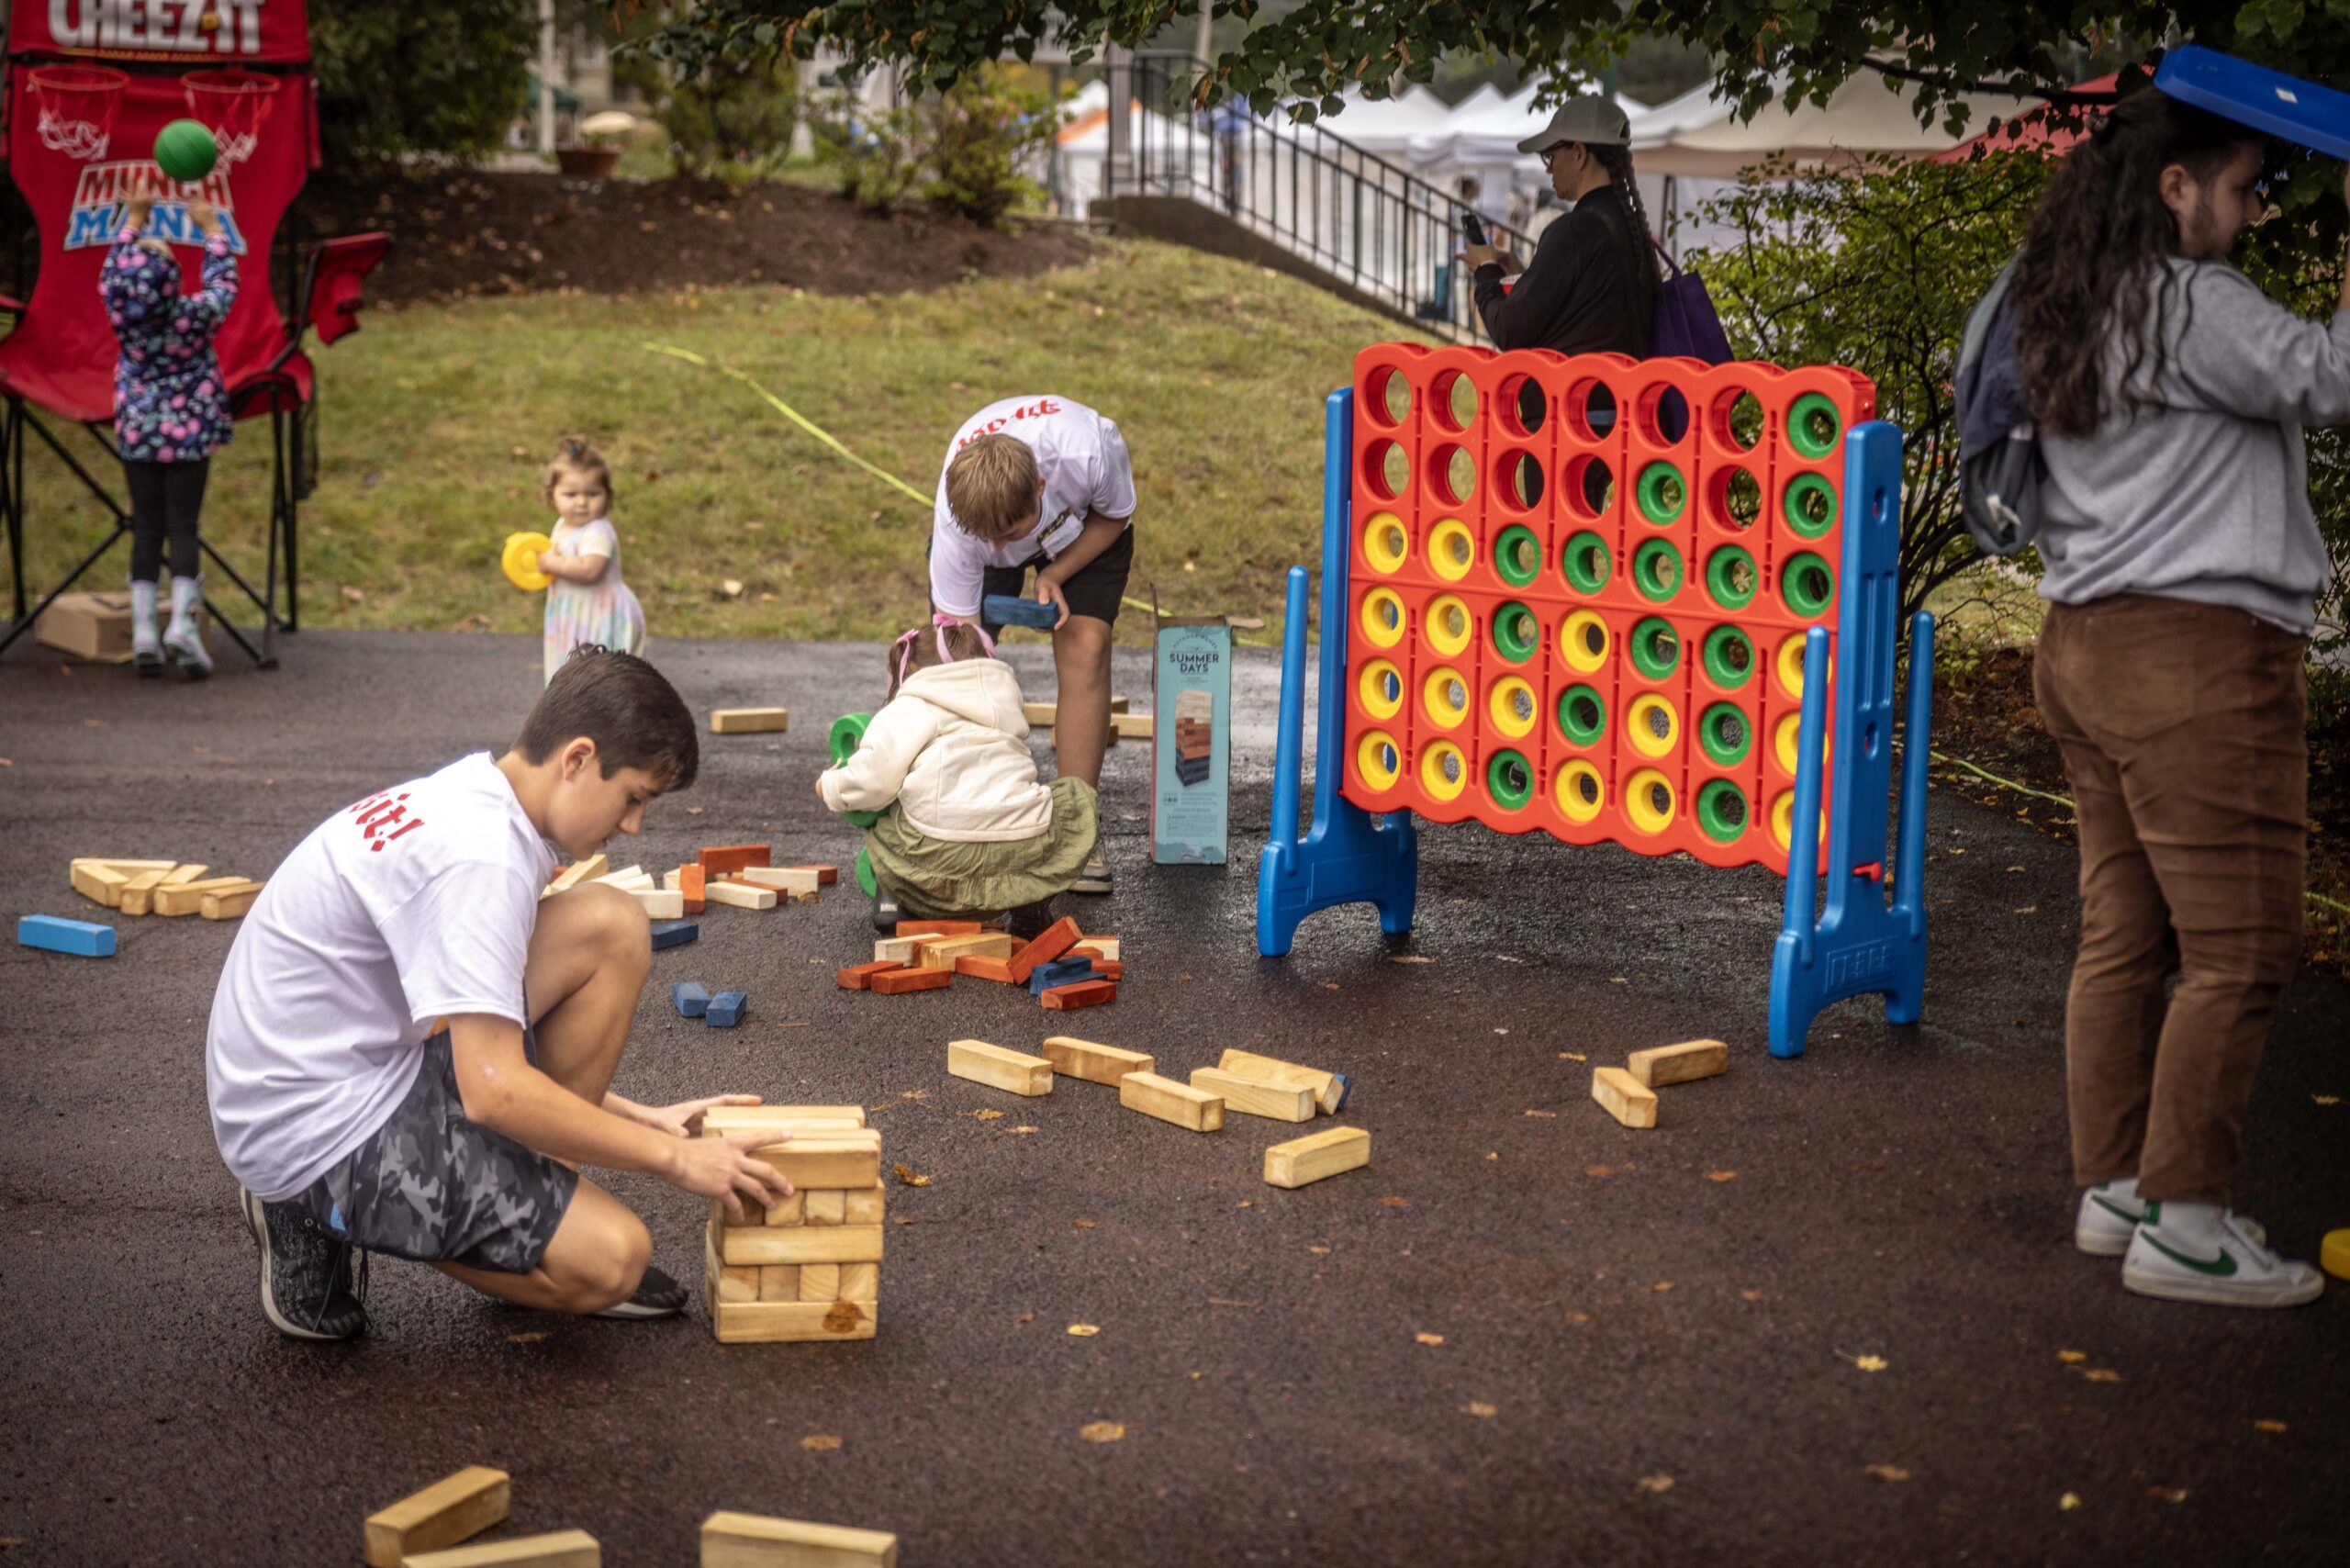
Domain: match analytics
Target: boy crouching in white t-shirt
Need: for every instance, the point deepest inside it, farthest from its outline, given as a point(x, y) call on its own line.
point(351, 1125)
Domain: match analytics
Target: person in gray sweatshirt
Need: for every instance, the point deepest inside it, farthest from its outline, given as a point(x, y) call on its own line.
point(2182, 564)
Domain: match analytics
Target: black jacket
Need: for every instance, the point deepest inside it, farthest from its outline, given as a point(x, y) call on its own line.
point(1581, 294)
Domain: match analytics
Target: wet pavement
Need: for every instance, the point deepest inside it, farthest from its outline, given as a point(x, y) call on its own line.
point(1524, 1335)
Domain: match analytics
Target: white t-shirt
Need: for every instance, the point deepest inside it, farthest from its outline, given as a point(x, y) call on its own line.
point(1082, 460)
point(414, 903)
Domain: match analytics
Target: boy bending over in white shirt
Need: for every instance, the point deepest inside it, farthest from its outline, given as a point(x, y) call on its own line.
point(351, 1125)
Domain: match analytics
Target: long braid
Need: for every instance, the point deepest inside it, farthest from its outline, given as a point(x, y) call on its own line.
point(1617, 161)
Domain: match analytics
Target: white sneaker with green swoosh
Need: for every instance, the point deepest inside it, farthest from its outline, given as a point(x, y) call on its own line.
point(2201, 1252)
point(2108, 1218)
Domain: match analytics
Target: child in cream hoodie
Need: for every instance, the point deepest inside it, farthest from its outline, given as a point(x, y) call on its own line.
point(966, 827)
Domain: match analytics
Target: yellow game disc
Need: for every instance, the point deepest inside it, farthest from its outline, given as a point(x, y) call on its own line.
point(2333, 1254)
point(519, 561)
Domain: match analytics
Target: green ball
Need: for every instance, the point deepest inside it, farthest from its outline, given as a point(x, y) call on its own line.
point(185, 150)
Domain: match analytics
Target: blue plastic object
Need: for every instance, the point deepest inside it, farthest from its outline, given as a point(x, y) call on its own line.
point(2301, 112)
point(674, 933)
point(53, 934)
point(690, 999)
point(726, 1009)
point(1060, 971)
point(1009, 610)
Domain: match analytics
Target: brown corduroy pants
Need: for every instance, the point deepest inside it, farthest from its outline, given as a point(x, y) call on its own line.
point(2182, 730)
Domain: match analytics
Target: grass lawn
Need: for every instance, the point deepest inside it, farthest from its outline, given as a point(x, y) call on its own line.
point(435, 421)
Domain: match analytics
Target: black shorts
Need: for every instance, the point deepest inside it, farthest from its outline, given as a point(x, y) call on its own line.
point(435, 1187)
point(1097, 589)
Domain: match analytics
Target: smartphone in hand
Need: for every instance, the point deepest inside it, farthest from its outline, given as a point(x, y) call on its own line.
point(1472, 229)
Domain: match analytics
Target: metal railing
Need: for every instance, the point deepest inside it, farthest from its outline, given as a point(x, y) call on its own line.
point(1374, 226)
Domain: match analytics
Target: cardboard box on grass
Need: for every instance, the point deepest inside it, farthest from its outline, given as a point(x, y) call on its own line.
point(1190, 677)
point(97, 626)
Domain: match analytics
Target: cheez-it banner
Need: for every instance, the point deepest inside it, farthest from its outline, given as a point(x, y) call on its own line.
point(187, 32)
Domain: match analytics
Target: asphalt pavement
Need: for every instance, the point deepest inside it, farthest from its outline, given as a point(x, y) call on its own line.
point(1828, 1311)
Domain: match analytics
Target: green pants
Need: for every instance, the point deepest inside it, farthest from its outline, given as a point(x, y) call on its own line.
point(941, 877)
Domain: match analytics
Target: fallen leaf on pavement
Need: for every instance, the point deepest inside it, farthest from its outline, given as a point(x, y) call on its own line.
point(1661, 1285)
point(2100, 1374)
point(2269, 1426)
point(1479, 1408)
point(693, 811)
point(1578, 1316)
point(2167, 1494)
point(1551, 1115)
point(1026, 1318)
point(1501, 1030)
point(1600, 1170)
point(1886, 1471)
point(2327, 1099)
point(820, 1442)
point(1087, 1224)
point(531, 1338)
point(914, 1095)
point(1867, 1363)
point(989, 1115)
point(1082, 1330)
point(1429, 1338)
point(1022, 1132)
point(1656, 1482)
point(1102, 1431)
point(1572, 1055)
point(1411, 958)
point(1393, 1203)
point(1721, 1175)
point(1319, 1252)
point(2072, 1358)
point(2069, 1500)
point(1751, 1295)
point(905, 1174)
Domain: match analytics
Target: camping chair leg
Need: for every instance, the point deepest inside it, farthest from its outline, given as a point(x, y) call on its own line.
point(25, 623)
point(8, 508)
point(265, 655)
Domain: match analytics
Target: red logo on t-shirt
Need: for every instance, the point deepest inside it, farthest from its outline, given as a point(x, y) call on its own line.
point(1035, 411)
point(377, 813)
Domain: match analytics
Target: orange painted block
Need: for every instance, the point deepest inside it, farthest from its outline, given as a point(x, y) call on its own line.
point(1057, 938)
point(717, 859)
point(980, 967)
point(859, 977)
point(902, 980)
point(690, 883)
point(1109, 968)
point(1084, 993)
point(939, 928)
point(825, 875)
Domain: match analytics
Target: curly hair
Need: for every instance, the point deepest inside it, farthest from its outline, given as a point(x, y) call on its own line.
point(574, 455)
point(926, 646)
point(2095, 269)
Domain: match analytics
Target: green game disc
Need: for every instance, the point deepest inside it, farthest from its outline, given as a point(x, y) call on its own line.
point(1660, 494)
point(1582, 715)
point(1721, 811)
point(1656, 648)
point(1509, 780)
point(1586, 562)
point(1814, 426)
point(1809, 505)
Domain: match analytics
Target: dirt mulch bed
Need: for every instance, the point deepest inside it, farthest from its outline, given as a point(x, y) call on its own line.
point(460, 234)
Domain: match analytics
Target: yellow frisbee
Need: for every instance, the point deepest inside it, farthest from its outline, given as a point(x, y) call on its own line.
point(2335, 1255)
point(521, 561)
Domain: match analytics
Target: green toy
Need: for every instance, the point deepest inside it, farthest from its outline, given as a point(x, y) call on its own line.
point(848, 734)
point(185, 150)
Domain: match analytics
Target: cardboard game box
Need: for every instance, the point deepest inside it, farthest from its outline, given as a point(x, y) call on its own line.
point(1191, 742)
point(97, 626)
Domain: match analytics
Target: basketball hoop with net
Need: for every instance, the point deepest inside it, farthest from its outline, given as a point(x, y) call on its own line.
point(230, 104)
point(77, 105)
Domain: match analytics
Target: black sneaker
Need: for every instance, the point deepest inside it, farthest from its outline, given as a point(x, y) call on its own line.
point(884, 912)
point(1030, 921)
point(657, 1295)
point(306, 1278)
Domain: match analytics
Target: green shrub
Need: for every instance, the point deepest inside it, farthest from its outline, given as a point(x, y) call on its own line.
point(735, 116)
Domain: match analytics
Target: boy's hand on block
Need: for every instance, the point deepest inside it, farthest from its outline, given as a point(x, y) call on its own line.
point(723, 1168)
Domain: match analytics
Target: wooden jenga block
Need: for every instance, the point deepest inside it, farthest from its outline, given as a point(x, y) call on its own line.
point(228, 905)
point(1626, 1099)
point(780, 1322)
point(1301, 1160)
point(793, 1210)
point(758, 1245)
point(1254, 1097)
point(780, 1282)
point(139, 893)
point(825, 875)
point(738, 895)
point(826, 1205)
point(721, 860)
point(441, 1514)
point(783, 878)
point(903, 980)
point(997, 970)
point(100, 883)
point(738, 1284)
point(578, 871)
point(1094, 1063)
point(1039, 714)
point(182, 874)
point(187, 898)
point(693, 886)
point(937, 928)
point(1661, 1065)
point(557, 1549)
point(1099, 946)
point(1084, 993)
point(748, 1118)
point(864, 1205)
point(1055, 940)
point(810, 1162)
point(859, 977)
point(659, 904)
point(754, 1540)
point(1015, 1071)
point(940, 952)
point(820, 1281)
point(1132, 726)
point(1109, 968)
point(1329, 1088)
point(1194, 1109)
point(859, 1281)
point(748, 721)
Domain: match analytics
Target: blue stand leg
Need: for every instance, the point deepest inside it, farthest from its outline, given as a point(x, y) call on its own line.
point(1346, 857)
point(1859, 943)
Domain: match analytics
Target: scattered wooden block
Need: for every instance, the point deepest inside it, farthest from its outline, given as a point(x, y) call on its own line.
point(627, 876)
point(660, 903)
point(754, 1540)
point(780, 1282)
point(1254, 1097)
point(720, 859)
point(1038, 714)
point(748, 721)
point(1050, 943)
point(441, 1514)
point(900, 950)
point(1172, 1101)
point(760, 1244)
point(859, 977)
point(557, 1549)
point(937, 928)
point(1330, 1088)
point(738, 895)
point(690, 999)
point(1109, 970)
point(826, 1205)
point(820, 1281)
point(785, 1322)
point(864, 1205)
point(1092, 1062)
point(726, 1009)
point(1000, 1069)
point(187, 898)
point(133, 868)
point(54, 934)
point(1099, 946)
point(825, 875)
point(229, 907)
point(1060, 971)
point(1084, 993)
point(674, 933)
point(100, 883)
point(940, 952)
point(901, 981)
point(139, 893)
point(693, 886)
point(1132, 726)
point(182, 874)
point(783, 878)
point(1626, 1099)
point(1306, 1159)
point(997, 970)
point(578, 871)
point(1661, 1065)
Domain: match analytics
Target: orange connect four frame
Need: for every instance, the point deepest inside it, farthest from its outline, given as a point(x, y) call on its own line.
point(1584, 622)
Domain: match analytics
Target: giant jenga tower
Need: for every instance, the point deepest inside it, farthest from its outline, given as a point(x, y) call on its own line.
point(811, 1268)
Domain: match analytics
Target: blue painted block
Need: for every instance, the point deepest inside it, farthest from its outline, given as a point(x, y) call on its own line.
point(52, 933)
point(2309, 114)
point(691, 1001)
point(726, 1009)
point(673, 933)
point(1060, 971)
point(1345, 1087)
point(1009, 609)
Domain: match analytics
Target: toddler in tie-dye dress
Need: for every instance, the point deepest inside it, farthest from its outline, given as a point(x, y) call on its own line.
point(586, 602)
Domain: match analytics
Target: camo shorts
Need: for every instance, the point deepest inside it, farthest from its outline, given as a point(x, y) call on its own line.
point(434, 1187)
